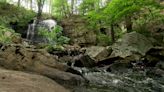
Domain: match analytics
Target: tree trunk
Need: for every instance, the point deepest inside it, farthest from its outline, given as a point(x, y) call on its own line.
point(72, 6)
point(50, 6)
point(27, 3)
point(19, 2)
point(76, 7)
point(112, 33)
point(128, 23)
point(40, 8)
point(40, 4)
point(31, 1)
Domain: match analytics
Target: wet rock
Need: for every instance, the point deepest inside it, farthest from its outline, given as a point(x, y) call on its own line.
point(75, 56)
point(108, 61)
point(155, 72)
point(131, 44)
point(160, 65)
point(119, 67)
point(17, 57)
point(154, 55)
point(157, 52)
point(14, 81)
point(84, 61)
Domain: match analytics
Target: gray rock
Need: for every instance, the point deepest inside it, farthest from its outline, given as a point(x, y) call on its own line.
point(119, 67)
point(131, 43)
point(98, 53)
point(160, 65)
point(92, 56)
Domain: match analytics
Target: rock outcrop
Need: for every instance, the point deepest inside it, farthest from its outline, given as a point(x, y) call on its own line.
point(75, 29)
point(16, 81)
point(18, 57)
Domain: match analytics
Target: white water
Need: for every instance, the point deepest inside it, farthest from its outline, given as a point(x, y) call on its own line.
point(30, 31)
point(48, 24)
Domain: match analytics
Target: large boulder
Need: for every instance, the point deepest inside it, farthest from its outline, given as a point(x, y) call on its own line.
point(92, 56)
point(15, 81)
point(132, 44)
point(98, 53)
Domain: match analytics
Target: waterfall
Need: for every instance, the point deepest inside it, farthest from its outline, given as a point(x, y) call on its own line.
point(30, 31)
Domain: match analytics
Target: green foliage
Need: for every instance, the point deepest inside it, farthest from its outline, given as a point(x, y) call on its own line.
point(89, 5)
point(6, 35)
point(119, 9)
point(122, 11)
point(60, 8)
point(10, 13)
point(103, 40)
point(119, 32)
point(51, 48)
point(96, 19)
point(3, 0)
point(147, 23)
point(55, 36)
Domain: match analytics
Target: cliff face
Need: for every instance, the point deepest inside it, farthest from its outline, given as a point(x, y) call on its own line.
point(75, 28)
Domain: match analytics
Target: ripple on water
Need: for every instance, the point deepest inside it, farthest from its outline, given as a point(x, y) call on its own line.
point(127, 82)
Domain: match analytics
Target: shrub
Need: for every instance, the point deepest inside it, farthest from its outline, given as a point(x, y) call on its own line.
point(103, 40)
point(55, 36)
point(10, 13)
point(6, 35)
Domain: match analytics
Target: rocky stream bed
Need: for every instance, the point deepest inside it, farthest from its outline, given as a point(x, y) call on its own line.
point(127, 66)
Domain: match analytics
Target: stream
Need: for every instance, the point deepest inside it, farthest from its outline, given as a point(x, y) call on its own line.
point(129, 81)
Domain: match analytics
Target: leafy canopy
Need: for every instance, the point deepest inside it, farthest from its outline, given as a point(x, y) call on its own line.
point(119, 9)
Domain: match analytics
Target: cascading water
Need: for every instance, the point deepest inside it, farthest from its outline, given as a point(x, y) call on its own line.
point(129, 81)
point(31, 31)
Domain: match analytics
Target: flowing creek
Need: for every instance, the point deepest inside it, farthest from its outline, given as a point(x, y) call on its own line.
point(129, 81)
